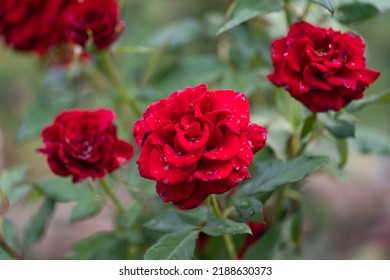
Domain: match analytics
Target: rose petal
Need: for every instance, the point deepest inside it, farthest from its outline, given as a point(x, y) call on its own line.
point(210, 170)
point(175, 192)
point(190, 146)
point(179, 160)
point(257, 137)
point(228, 149)
point(164, 172)
point(122, 153)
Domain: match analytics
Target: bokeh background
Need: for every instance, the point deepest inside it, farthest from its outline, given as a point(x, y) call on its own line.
point(171, 44)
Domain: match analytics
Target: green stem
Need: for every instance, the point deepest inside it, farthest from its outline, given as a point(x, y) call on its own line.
point(9, 250)
point(287, 12)
point(108, 190)
point(277, 207)
point(306, 10)
point(228, 239)
point(113, 74)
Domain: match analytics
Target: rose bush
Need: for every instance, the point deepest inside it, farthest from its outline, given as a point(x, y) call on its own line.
point(322, 68)
point(100, 17)
point(197, 142)
point(84, 144)
point(31, 25)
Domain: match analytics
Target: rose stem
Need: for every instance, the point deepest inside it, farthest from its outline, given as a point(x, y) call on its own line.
point(117, 82)
point(286, 8)
point(306, 10)
point(226, 237)
point(108, 190)
point(9, 250)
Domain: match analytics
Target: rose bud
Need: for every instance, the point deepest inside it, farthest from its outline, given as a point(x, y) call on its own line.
point(197, 142)
point(322, 68)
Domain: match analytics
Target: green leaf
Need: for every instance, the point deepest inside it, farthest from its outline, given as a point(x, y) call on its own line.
point(266, 247)
point(355, 12)
point(101, 246)
point(10, 179)
point(176, 220)
point(190, 71)
point(10, 234)
point(308, 125)
point(289, 108)
point(296, 227)
point(381, 97)
point(221, 226)
point(244, 10)
point(127, 219)
point(4, 204)
point(63, 190)
point(42, 112)
point(274, 173)
point(250, 210)
point(177, 34)
point(327, 4)
point(277, 140)
point(173, 246)
point(86, 208)
point(340, 128)
point(342, 148)
point(37, 226)
point(372, 141)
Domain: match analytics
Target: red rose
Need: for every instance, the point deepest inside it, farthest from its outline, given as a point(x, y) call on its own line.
point(28, 25)
point(84, 144)
point(100, 17)
point(322, 68)
point(197, 142)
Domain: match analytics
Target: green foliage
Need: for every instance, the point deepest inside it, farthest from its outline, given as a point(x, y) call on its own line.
point(38, 224)
point(221, 226)
point(289, 108)
point(308, 125)
point(11, 183)
point(274, 173)
point(250, 210)
point(62, 190)
point(9, 233)
point(267, 246)
point(355, 12)
point(296, 227)
point(372, 141)
point(54, 98)
point(330, 5)
point(190, 71)
point(380, 98)
point(101, 246)
point(244, 10)
point(173, 246)
point(177, 34)
point(340, 128)
point(172, 220)
point(127, 219)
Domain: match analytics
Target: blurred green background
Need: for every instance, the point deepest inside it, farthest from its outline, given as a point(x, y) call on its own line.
point(171, 44)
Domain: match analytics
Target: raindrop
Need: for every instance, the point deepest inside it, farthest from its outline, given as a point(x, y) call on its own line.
point(245, 204)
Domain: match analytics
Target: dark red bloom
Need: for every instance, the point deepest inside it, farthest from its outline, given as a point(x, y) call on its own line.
point(96, 18)
point(322, 68)
point(31, 25)
point(197, 142)
point(84, 144)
